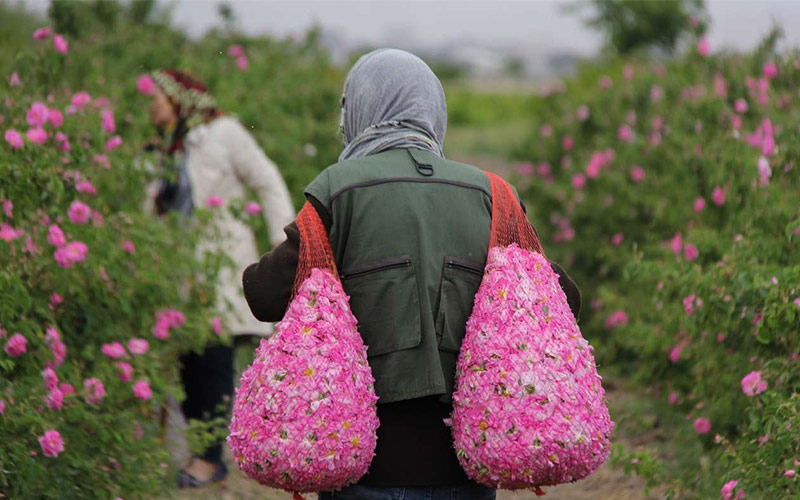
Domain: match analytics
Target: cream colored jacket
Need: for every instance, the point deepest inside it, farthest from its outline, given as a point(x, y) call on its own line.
point(224, 160)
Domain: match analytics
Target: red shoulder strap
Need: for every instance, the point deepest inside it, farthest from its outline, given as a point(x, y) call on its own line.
point(315, 247)
point(509, 223)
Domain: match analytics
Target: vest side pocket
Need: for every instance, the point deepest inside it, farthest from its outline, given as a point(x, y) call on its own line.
point(460, 282)
point(384, 298)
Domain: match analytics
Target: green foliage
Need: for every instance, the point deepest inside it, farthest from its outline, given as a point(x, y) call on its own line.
point(287, 98)
point(615, 236)
point(631, 25)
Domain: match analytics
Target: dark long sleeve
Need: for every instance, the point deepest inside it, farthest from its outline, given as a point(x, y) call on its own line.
point(570, 289)
point(268, 283)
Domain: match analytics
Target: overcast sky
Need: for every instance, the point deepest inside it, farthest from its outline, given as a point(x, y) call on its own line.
point(534, 25)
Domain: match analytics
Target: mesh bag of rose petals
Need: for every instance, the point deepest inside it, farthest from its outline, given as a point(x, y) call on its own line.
point(529, 409)
point(304, 415)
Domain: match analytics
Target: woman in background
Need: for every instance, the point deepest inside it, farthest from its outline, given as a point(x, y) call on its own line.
point(214, 161)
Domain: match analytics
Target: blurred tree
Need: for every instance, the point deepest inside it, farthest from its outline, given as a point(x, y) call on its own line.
point(78, 19)
point(139, 11)
point(631, 25)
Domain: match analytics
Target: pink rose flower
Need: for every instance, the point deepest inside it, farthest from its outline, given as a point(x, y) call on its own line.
point(141, 390)
point(86, 187)
point(617, 318)
point(718, 196)
point(71, 253)
point(52, 443)
point(8, 233)
point(688, 304)
point(567, 143)
point(690, 252)
point(703, 46)
point(107, 121)
point(55, 118)
point(235, 50)
point(37, 114)
point(637, 174)
point(102, 160)
point(95, 391)
point(214, 201)
point(2, 407)
point(578, 181)
point(242, 63)
point(699, 204)
point(114, 350)
point(16, 345)
point(55, 236)
point(42, 33)
point(145, 85)
point(55, 299)
point(583, 113)
point(770, 70)
point(768, 146)
point(79, 212)
point(138, 346)
point(14, 81)
point(702, 425)
point(752, 384)
point(54, 399)
point(166, 320)
point(253, 208)
point(216, 325)
point(14, 139)
point(727, 489)
point(63, 141)
point(113, 143)
point(616, 240)
point(80, 100)
point(67, 389)
point(656, 93)
point(764, 171)
point(740, 106)
point(673, 397)
point(50, 378)
point(8, 208)
point(675, 353)
point(36, 135)
point(125, 371)
point(625, 133)
point(60, 44)
point(128, 246)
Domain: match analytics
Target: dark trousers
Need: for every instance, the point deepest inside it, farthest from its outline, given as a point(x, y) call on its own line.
point(208, 381)
point(463, 492)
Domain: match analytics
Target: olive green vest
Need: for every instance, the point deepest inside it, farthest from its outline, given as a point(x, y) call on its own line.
point(410, 234)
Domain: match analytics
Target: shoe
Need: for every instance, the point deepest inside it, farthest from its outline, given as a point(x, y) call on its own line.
point(186, 480)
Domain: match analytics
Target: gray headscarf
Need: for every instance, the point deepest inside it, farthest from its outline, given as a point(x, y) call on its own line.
point(392, 100)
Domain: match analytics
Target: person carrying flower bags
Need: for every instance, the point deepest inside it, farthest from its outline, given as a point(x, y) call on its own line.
point(409, 232)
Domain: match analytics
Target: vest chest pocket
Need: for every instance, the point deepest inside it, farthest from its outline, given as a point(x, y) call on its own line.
point(460, 282)
point(384, 298)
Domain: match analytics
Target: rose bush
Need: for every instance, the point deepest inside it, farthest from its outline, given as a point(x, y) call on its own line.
point(98, 297)
point(669, 190)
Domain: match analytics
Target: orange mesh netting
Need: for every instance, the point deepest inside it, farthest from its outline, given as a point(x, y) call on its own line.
point(509, 222)
point(315, 247)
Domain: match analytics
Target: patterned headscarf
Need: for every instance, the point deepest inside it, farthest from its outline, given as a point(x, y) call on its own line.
point(191, 101)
